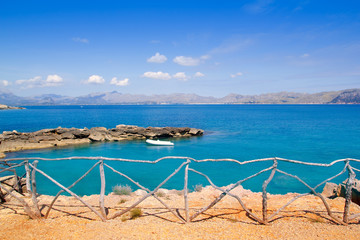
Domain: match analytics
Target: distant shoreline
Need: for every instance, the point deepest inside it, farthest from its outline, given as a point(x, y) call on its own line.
point(347, 96)
point(187, 104)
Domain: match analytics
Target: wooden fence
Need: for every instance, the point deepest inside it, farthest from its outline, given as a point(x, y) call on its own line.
point(31, 167)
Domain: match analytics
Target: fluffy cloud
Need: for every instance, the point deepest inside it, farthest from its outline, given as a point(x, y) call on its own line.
point(236, 74)
point(181, 76)
point(5, 83)
point(30, 83)
point(95, 79)
point(51, 81)
point(157, 58)
point(118, 82)
point(190, 61)
point(81, 40)
point(199, 74)
point(157, 75)
point(186, 61)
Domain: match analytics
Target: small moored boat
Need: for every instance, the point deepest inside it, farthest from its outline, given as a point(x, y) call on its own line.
point(159, 143)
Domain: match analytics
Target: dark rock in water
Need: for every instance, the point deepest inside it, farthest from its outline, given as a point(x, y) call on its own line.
point(81, 133)
point(17, 141)
point(67, 135)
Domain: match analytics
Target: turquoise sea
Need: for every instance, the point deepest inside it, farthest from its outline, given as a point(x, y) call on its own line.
point(311, 133)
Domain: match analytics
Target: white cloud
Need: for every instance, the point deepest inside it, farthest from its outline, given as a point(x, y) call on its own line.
point(119, 82)
point(30, 83)
point(305, 55)
point(205, 57)
point(190, 61)
point(199, 74)
point(181, 76)
point(5, 83)
point(236, 74)
point(158, 58)
point(186, 61)
point(95, 79)
point(157, 75)
point(52, 81)
point(81, 40)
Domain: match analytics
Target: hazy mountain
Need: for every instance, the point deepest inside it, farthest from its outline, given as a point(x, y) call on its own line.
point(10, 99)
point(52, 99)
point(349, 96)
point(283, 98)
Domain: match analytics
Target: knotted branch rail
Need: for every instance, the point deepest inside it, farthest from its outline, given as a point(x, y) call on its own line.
point(34, 211)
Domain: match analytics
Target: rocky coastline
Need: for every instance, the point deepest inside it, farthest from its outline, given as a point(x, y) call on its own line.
point(11, 141)
point(5, 107)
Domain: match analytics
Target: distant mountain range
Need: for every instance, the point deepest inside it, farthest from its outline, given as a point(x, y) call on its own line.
point(349, 96)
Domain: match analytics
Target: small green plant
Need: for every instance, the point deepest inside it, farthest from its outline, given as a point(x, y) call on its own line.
point(233, 220)
point(135, 213)
point(122, 201)
point(160, 194)
point(122, 190)
point(123, 218)
point(198, 187)
point(317, 219)
point(180, 192)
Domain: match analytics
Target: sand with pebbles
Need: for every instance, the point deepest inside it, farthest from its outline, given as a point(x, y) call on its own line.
point(306, 218)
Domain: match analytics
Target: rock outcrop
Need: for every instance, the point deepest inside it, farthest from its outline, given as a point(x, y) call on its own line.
point(332, 190)
point(14, 184)
point(11, 141)
point(5, 107)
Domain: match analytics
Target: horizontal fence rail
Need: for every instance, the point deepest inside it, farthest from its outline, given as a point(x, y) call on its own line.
point(32, 166)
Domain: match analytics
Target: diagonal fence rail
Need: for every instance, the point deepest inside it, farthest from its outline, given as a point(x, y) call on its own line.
point(31, 166)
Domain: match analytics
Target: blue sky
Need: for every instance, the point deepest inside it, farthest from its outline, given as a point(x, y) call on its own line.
point(155, 47)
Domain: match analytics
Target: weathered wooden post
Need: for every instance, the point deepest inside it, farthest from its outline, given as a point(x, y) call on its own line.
point(17, 182)
point(25, 205)
point(349, 187)
point(102, 190)
point(264, 192)
point(28, 185)
point(117, 214)
point(33, 194)
point(187, 219)
point(2, 197)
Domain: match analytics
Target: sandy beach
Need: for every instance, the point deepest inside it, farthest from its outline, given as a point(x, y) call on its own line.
point(306, 218)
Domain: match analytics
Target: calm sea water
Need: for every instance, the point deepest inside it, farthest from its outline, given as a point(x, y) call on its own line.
point(312, 133)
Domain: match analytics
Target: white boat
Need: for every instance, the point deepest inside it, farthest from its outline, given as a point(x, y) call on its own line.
point(159, 143)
